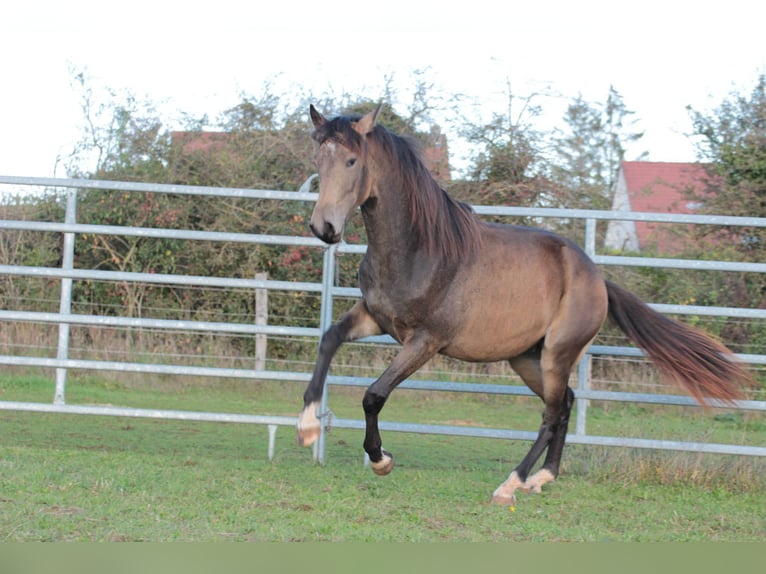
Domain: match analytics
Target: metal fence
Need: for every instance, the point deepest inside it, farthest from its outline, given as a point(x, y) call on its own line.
point(64, 318)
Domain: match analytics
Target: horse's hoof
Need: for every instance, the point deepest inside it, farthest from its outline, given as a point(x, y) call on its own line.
point(505, 494)
point(308, 428)
point(384, 465)
point(307, 436)
point(534, 484)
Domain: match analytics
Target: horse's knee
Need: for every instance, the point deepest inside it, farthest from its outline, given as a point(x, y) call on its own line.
point(331, 340)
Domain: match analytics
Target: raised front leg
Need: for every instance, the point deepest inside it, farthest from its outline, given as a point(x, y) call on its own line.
point(415, 352)
point(355, 324)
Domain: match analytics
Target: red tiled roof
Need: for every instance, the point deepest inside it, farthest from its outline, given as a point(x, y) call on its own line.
point(200, 141)
point(659, 186)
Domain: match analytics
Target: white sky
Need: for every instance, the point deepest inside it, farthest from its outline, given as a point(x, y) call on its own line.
point(198, 58)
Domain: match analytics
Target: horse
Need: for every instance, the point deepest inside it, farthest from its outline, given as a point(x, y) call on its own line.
point(438, 279)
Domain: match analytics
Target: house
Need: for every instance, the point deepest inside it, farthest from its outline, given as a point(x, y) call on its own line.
point(655, 187)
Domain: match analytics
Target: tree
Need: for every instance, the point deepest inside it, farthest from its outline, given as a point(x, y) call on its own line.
point(123, 138)
point(589, 152)
point(507, 167)
point(257, 146)
point(32, 248)
point(732, 141)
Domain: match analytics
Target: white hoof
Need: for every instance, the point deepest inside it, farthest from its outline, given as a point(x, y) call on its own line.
point(384, 465)
point(505, 494)
point(535, 482)
point(308, 427)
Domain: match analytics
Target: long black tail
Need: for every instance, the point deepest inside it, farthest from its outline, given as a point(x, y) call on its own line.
point(685, 356)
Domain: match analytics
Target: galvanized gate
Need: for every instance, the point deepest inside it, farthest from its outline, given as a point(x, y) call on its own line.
point(64, 318)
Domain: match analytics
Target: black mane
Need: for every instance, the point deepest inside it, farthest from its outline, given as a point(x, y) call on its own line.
point(444, 225)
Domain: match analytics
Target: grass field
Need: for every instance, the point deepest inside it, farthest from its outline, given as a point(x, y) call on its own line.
point(66, 477)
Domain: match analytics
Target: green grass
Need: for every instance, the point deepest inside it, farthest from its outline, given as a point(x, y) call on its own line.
point(66, 477)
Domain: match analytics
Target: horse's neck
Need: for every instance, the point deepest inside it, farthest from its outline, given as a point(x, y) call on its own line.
point(390, 235)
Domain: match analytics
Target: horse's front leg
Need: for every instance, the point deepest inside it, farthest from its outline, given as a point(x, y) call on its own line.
point(415, 352)
point(355, 324)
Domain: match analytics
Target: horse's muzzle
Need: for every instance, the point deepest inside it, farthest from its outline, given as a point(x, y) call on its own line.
point(327, 233)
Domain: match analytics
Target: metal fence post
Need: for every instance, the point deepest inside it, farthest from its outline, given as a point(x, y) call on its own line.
point(261, 318)
point(65, 304)
point(325, 320)
point(584, 367)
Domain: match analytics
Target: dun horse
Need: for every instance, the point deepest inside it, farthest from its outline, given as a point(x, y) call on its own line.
point(439, 280)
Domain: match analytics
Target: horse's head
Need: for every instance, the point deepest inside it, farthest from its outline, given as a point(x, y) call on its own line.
point(343, 172)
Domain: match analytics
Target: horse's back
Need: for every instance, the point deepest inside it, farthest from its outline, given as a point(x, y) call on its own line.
point(522, 283)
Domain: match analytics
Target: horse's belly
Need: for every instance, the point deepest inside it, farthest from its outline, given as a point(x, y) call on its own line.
point(498, 323)
point(493, 342)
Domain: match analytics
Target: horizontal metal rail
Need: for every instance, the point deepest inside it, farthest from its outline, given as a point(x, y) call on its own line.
point(615, 215)
point(701, 265)
point(147, 413)
point(153, 368)
point(165, 324)
point(574, 438)
point(159, 233)
point(354, 424)
point(363, 382)
point(134, 186)
point(159, 278)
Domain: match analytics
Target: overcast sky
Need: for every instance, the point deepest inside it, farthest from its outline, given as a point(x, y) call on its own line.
point(198, 58)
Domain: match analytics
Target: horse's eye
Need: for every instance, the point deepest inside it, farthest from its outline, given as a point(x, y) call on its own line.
point(351, 162)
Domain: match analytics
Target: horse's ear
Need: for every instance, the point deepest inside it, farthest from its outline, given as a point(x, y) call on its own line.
point(316, 118)
point(367, 121)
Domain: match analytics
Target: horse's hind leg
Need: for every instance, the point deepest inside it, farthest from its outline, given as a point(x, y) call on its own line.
point(550, 468)
point(549, 380)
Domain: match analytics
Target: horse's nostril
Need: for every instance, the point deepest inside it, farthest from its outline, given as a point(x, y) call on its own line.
point(326, 232)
